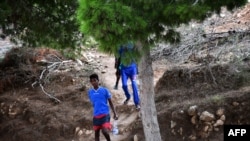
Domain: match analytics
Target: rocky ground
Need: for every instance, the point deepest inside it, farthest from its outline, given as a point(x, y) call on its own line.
point(199, 86)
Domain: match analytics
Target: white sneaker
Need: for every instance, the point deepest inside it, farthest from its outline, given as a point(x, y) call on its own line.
point(138, 107)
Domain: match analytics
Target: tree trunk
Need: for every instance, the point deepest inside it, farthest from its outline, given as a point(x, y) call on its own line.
point(147, 95)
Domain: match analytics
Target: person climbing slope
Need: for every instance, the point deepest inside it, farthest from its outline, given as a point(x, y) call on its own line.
point(128, 70)
point(100, 97)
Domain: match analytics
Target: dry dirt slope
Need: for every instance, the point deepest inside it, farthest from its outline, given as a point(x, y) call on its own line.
point(28, 114)
point(209, 88)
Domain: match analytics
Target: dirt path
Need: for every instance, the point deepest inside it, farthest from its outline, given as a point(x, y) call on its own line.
point(127, 113)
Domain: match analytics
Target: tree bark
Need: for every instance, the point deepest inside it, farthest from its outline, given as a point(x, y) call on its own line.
point(148, 110)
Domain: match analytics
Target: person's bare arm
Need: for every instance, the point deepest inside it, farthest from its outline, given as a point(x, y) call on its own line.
point(113, 108)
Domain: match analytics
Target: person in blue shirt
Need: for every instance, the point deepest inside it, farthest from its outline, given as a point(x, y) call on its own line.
point(129, 71)
point(100, 98)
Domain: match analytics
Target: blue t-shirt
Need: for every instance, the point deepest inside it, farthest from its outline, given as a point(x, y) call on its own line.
point(99, 99)
point(126, 49)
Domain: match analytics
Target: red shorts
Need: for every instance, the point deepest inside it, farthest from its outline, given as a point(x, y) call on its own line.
point(101, 121)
